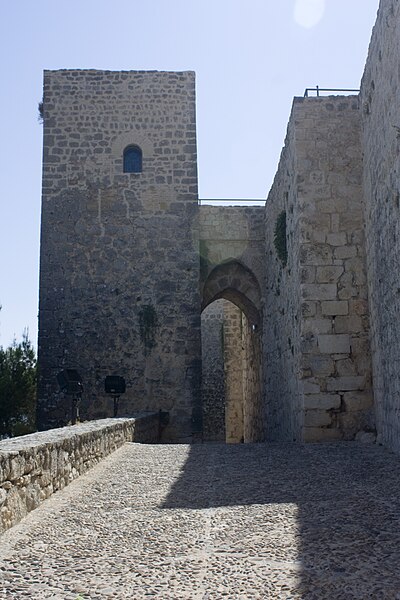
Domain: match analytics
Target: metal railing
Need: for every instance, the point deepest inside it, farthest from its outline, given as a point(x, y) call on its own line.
point(232, 201)
point(318, 90)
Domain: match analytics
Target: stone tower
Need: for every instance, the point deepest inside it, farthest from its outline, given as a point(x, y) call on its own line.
point(119, 275)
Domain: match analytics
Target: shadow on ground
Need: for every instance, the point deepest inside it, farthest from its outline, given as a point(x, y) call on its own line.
point(342, 499)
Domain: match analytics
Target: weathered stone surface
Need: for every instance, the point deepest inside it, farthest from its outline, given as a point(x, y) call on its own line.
point(335, 307)
point(34, 466)
point(334, 344)
point(179, 522)
point(381, 144)
point(345, 383)
point(328, 275)
point(321, 401)
point(119, 250)
point(317, 418)
point(322, 434)
point(326, 260)
point(357, 401)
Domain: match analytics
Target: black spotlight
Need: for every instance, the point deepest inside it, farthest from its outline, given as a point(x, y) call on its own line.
point(115, 386)
point(70, 383)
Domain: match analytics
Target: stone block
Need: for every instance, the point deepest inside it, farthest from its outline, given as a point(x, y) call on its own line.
point(346, 367)
point(329, 274)
point(317, 326)
point(335, 307)
point(308, 309)
point(365, 437)
point(319, 291)
point(345, 383)
point(307, 275)
point(335, 222)
point(315, 255)
point(358, 307)
point(317, 418)
point(310, 386)
point(321, 401)
point(334, 344)
point(342, 252)
point(321, 434)
point(350, 324)
point(336, 239)
point(358, 400)
point(321, 366)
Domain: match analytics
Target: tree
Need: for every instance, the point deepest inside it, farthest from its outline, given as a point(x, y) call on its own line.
point(17, 388)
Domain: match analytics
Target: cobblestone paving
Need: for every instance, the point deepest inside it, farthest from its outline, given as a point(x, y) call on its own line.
point(215, 522)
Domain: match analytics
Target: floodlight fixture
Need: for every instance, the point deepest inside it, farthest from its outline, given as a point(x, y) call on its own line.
point(115, 386)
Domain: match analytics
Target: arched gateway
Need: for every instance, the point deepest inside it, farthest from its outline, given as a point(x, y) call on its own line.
point(231, 283)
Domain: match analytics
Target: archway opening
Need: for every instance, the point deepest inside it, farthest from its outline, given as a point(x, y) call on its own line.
point(231, 357)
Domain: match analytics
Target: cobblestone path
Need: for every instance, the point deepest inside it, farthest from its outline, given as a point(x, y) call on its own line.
point(215, 522)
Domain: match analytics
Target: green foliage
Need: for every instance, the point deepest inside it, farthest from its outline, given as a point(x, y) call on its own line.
point(40, 112)
point(17, 389)
point(148, 326)
point(280, 237)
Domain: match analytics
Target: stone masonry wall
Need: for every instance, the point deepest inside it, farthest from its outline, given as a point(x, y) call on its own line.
point(336, 363)
point(33, 467)
point(213, 377)
point(380, 109)
point(253, 408)
point(282, 309)
point(322, 316)
point(232, 233)
point(232, 395)
point(234, 372)
point(119, 251)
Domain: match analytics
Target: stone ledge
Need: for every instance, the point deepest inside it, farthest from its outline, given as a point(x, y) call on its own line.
point(33, 467)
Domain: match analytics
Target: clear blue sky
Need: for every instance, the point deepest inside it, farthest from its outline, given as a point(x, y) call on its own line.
point(250, 56)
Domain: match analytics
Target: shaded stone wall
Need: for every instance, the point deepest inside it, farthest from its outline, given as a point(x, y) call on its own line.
point(253, 408)
point(35, 466)
point(380, 107)
point(282, 311)
point(234, 372)
point(119, 251)
point(232, 396)
point(316, 332)
point(213, 376)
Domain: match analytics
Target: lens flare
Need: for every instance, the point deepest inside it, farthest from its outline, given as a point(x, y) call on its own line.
point(308, 13)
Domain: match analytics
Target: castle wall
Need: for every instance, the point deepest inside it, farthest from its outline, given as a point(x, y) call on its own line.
point(316, 333)
point(232, 233)
point(119, 251)
point(380, 103)
point(281, 336)
point(213, 376)
point(253, 396)
point(235, 372)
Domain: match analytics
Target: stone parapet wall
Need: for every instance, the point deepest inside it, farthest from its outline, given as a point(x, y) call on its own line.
point(33, 467)
point(380, 111)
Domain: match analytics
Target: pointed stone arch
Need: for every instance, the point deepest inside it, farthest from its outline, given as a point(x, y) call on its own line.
point(236, 283)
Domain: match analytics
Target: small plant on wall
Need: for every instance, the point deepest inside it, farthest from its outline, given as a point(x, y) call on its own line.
point(280, 237)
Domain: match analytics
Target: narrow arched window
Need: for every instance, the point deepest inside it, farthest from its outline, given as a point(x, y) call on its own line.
point(132, 159)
